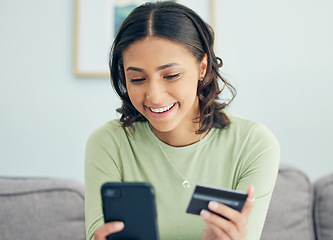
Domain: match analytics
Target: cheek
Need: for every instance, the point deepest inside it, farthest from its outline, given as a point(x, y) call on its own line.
point(186, 93)
point(134, 95)
point(189, 87)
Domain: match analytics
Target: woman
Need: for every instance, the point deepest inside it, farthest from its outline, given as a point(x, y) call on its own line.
point(174, 133)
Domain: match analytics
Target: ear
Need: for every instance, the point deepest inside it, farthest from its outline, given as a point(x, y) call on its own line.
point(203, 67)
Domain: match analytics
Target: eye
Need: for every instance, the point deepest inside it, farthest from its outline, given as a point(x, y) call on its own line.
point(137, 80)
point(173, 76)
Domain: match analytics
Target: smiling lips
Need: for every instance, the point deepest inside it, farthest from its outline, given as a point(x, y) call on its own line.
point(161, 110)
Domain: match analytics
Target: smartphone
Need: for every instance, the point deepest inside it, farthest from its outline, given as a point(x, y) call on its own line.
point(134, 204)
point(202, 195)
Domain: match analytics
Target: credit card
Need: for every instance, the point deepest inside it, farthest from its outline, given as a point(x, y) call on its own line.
point(203, 195)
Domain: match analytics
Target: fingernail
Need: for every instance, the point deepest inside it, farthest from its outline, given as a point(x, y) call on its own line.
point(118, 225)
point(213, 205)
point(205, 214)
point(251, 199)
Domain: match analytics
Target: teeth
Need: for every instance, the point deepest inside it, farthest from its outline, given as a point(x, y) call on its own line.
point(160, 110)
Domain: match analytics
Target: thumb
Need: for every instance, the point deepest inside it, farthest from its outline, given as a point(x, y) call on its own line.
point(108, 228)
point(249, 203)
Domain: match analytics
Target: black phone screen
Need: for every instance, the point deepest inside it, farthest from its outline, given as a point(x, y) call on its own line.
point(134, 204)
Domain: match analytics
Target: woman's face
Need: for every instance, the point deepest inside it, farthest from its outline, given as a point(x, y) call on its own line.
point(161, 80)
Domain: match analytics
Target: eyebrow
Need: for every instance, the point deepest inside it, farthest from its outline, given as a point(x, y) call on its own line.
point(158, 68)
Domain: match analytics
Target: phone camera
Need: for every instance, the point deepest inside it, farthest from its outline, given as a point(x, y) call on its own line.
point(112, 193)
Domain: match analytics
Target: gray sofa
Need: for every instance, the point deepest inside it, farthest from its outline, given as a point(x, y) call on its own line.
point(53, 209)
point(41, 208)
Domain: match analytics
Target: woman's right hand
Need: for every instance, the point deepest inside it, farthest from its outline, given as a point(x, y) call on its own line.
point(108, 228)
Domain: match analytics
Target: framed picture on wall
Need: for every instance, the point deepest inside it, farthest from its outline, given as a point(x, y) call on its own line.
point(96, 24)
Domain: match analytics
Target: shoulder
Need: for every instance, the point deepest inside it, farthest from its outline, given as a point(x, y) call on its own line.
point(110, 133)
point(247, 126)
point(256, 146)
point(107, 130)
point(113, 131)
point(241, 124)
point(250, 131)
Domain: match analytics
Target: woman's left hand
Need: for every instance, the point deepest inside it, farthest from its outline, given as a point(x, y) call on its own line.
point(218, 228)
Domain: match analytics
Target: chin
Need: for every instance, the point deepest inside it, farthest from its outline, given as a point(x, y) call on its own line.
point(162, 127)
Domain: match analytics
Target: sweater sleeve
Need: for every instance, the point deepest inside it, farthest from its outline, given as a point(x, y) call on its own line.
point(101, 165)
point(260, 168)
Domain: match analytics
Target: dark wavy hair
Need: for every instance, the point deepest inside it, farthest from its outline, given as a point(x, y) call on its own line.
point(175, 22)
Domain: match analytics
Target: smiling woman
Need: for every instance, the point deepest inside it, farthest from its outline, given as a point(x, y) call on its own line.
point(173, 130)
point(180, 27)
point(163, 87)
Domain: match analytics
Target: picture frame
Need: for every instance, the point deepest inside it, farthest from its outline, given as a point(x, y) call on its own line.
point(96, 23)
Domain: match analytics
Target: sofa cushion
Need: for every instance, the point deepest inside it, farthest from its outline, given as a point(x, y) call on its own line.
point(290, 214)
point(323, 208)
point(41, 208)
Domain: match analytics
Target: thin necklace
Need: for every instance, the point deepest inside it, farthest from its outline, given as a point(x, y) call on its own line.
point(186, 183)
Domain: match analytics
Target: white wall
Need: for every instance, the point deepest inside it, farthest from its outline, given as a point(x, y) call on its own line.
point(46, 112)
point(277, 54)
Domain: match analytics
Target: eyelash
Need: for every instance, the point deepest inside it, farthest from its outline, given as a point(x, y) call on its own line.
point(174, 76)
point(169, 77)
point(135, 80)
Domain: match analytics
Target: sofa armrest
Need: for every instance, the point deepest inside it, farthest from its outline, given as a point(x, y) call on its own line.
point(323, 207)
point(41, 208)
point(290, 214)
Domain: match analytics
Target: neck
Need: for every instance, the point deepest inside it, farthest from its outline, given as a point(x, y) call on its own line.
point(178, 138)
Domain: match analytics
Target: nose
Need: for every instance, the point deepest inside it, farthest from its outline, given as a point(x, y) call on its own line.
point(155, 92)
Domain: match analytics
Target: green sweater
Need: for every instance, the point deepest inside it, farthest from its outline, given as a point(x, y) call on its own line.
point(233, 158)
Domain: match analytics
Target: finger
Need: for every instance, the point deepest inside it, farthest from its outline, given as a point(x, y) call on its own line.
point(227, 212)
point(224, 225)
point(249, 203)
point(103, 231)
